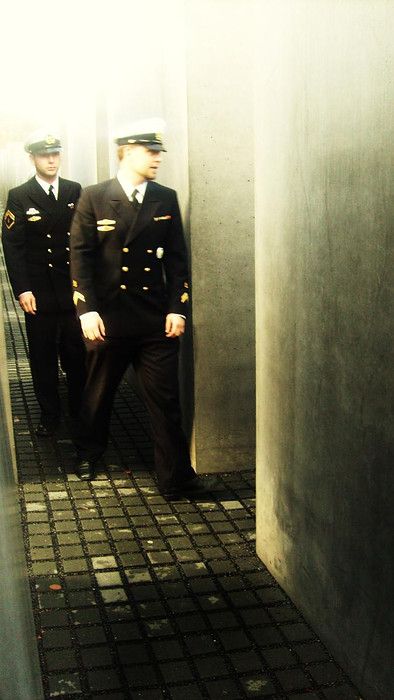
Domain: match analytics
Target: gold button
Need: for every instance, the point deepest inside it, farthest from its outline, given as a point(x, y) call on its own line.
point(49, 250)
point(123, 286)
point(125, 250)
point(67, 248)
point(149, 250)
point(147, 269)
point(145, 288)
point(49, 235)
point(68, 233)
point(125, 269)
point(68, 262)
point(50, 265)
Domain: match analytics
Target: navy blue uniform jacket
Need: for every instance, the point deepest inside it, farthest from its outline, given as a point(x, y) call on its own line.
point(36, 242)
point(131, 267)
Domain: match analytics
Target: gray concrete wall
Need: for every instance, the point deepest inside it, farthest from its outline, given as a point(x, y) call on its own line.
point(324, 271)
point(220, 123)
point(20, 677)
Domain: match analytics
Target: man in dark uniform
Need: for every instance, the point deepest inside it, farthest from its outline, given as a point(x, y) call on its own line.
point(130, 278)
point(36, 243)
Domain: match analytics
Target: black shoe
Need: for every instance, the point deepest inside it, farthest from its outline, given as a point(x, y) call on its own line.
point(44, 430)
point(193, 487)
point(172, 495)
point(86, 470)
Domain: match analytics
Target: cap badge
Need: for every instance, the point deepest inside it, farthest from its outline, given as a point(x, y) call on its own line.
point(159, 137)
point(50, 140)
point(9, 219)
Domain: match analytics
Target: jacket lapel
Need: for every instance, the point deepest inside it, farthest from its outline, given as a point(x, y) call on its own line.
point(121, 206)
point(39, 197)
point(54, 210)
point(145, 214)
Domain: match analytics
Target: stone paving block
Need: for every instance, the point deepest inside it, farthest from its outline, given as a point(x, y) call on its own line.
point(342, 692)
point(143, 675)
point(257, 686)
point(191, 692)
point(104, 679)
point(56, 638)
point(223, 688)
point(294, 679)
point(66, 684)
point(61, 660)
point(96, 656)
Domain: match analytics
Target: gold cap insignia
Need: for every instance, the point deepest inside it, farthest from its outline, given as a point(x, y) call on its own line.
point(159, 137)
point(9, 219)
point(184, 297)
point(50, 140)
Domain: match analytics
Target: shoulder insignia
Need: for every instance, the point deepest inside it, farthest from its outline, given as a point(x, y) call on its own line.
point(184, 297)
point(77, 296)
point(9, 219)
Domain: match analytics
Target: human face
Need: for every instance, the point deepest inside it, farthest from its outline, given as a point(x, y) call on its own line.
point(141, 163)
point(46, 165)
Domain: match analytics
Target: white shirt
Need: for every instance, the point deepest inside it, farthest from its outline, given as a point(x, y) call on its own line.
point(45, 185)
point(128, 188)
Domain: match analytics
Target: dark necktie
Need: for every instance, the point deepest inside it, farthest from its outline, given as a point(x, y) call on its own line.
point(51, 193)
point(134, 200)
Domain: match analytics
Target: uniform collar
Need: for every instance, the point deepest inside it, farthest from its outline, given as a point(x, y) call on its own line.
point(128, 188)
point(45, 185)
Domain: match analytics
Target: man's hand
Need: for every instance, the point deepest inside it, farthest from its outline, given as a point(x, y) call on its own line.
point(92, 326)
point(27, 302)
point(175, 325)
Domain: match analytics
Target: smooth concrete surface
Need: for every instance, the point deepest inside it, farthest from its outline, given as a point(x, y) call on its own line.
point(324, 308)
point(20, 676)
point(221, 158)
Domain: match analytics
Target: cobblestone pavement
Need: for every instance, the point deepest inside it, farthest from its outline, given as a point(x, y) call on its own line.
point(135, 597)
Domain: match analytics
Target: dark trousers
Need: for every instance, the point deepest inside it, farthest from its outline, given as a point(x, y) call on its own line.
point(53, 337)
point(155, 362)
